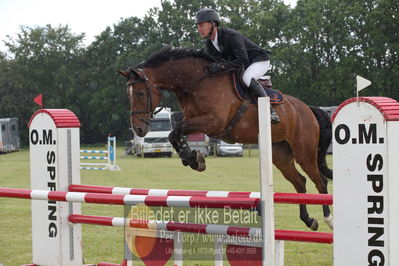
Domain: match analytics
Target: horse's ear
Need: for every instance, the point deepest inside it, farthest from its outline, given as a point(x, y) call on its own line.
point(124, 73)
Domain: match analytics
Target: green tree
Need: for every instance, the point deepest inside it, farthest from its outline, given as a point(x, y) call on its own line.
point(315, 51)
point(103, 104)
point(329, 42)
point(377, 38)
point(44, 60)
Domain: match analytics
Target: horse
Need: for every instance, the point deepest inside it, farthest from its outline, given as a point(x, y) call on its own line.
point(209, 104)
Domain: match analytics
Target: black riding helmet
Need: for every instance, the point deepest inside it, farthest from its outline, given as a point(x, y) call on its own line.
point(207, 15)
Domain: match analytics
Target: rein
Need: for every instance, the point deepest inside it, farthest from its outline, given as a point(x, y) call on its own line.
point(192, 84)
point(148, 108)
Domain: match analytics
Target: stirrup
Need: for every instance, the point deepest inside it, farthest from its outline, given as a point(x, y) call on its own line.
point(274, 118)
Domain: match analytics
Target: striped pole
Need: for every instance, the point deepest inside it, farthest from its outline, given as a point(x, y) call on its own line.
point(93, 168)
point(160, 192)
point(302, 198)
point(288, 198)
point(155, 201)
point(93, 158)
point(93, 151)
point(212, 229)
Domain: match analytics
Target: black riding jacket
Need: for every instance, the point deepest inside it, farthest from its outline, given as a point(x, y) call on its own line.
point(236, 49)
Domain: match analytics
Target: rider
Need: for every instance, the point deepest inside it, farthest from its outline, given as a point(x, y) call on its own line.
point(237, 52)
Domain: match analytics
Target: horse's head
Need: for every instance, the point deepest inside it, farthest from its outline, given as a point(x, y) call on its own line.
point(144, 97)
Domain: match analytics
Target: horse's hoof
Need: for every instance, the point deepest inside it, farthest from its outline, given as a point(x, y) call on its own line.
point(315, 225)
point(199, 164)
point(190, 159)
point(329, 221)
point(201, 167)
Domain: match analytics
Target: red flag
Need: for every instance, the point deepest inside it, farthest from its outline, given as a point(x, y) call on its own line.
point(39, 100)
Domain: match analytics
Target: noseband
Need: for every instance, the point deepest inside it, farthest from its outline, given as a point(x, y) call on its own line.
point(142, 79)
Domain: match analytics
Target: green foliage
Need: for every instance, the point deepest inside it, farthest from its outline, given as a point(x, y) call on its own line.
point(44, 60)
point(329, 42)
point(317, 49)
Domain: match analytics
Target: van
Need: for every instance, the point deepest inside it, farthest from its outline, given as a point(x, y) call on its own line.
point(156, 142)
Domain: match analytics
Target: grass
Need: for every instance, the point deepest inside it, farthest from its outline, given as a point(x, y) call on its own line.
point(231, 174)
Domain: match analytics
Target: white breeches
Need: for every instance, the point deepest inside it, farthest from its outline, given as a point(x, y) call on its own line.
point(255, 70)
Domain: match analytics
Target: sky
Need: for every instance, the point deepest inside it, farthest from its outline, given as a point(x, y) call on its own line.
point(82, 16)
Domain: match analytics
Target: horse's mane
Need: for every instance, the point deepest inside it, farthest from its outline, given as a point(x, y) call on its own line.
point(170, 53)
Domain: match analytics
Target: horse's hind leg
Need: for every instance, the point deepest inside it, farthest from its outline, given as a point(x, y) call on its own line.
point(309, 165)
point(312, 170)
point(283, 159)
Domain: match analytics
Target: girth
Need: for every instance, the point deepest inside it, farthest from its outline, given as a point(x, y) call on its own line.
point(226, 134)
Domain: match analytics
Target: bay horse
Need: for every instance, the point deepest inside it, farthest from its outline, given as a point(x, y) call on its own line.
point(209, 103)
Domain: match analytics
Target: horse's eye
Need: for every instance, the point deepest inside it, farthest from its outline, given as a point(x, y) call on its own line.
point(139, 93)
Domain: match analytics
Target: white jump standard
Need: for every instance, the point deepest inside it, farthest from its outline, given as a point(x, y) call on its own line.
point(366, 183)
point(54, 154)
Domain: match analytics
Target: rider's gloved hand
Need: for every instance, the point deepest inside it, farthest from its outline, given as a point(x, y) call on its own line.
point(214, 68)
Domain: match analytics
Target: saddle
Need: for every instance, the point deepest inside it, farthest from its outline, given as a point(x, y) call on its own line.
point(276, 97)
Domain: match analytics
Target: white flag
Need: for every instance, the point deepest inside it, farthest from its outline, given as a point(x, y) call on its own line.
point(361, 83)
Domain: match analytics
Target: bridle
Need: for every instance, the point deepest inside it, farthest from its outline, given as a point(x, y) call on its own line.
point(142, 79)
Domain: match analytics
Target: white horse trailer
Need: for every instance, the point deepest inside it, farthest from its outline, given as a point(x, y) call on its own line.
point(9, 135)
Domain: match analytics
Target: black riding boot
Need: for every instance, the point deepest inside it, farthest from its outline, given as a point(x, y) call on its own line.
point(258, 91)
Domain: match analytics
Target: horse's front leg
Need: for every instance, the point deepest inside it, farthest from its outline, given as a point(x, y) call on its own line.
point(193, 158)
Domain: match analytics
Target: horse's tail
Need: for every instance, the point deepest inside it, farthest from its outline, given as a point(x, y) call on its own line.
point(324, 141)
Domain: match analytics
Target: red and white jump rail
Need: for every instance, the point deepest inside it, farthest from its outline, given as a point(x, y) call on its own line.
point(156, 201)
point(226, 235)
point(160, 192)
point(213, 229)
point(289, 198)
point(166, 201)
